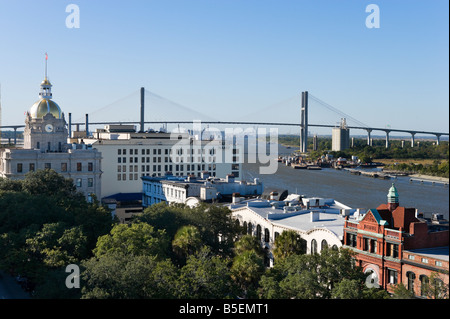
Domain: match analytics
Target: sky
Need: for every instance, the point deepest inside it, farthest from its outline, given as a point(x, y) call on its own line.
point(231, 59)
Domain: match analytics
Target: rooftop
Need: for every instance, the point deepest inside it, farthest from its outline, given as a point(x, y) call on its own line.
point(301, 213)
point(435, 253)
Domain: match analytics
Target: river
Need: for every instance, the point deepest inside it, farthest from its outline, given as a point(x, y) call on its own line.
point(356, 191)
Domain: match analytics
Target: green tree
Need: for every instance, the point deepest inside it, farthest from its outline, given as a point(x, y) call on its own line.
point(204, 276)
point(347, 289)
point(186, 241)
point(246, 243)
point(117, 275)
point(288, 243)
point(246, 271)
point(401, 292)
point(310, 276)
point(133, 239)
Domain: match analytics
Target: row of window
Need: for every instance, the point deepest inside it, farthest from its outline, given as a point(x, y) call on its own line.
point(249, 230)
point(424, 285)
point(168, 151)
point(79, 182)
point(210, 159)
point(167, 168)
point(370, 245)
point(157, 170)
point(32, 167)
point(425, 260)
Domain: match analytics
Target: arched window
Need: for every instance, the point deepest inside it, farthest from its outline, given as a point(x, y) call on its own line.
point(334, 247)
point(424, 281)
point(323, 245)
point(266, 235)
point(258, 232)
point(313, 246)
point(250, 229)
point(245, 227)
point(411, 276)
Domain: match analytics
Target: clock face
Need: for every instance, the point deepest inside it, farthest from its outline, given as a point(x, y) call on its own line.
point(49, 128)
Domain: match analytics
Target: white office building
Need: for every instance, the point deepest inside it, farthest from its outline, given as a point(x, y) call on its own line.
point(128, 156)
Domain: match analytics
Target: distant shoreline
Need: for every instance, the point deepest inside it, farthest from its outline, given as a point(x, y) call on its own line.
point(430, 178)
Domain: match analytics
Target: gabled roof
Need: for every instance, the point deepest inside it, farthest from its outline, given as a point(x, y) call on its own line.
point(373, 215)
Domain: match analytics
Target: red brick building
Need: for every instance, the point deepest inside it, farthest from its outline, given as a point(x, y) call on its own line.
point(397, 245)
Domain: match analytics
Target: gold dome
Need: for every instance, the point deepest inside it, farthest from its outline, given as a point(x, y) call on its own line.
point(46, 82)
point(44, 106)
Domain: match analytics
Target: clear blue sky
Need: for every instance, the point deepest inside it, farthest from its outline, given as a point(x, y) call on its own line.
point(229, 57)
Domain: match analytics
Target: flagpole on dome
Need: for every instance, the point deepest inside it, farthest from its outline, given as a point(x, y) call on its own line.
point(46, 58)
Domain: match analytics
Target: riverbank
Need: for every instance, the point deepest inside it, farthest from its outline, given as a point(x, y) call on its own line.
point(430, 178)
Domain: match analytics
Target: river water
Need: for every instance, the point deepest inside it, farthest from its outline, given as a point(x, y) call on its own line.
point(356, 191)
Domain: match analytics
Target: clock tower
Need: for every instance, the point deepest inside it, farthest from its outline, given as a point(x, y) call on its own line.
point(45, 126)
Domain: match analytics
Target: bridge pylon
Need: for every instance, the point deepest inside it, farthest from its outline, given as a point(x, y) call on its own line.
point(304, 123)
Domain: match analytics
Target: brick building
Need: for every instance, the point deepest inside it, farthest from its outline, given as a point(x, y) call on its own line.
point(397, 245)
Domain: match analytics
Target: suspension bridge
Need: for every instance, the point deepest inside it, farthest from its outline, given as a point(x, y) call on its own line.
point(164, 111)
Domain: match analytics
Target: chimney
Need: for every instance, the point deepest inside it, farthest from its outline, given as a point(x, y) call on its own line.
point(315, 216)
point(236, 198)
point(142, 109)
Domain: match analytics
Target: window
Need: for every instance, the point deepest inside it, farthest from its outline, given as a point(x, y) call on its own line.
point(392, 250)
point(119, 151)
point(373, 246)
point(19, 167)
point(351, 240)
point(79, 167)
point(90, 182)
point(438, 263)
point(63, 167)
point(313, 246)
point(79, 184)
point(411, 276)
point(392, 276)
point(323, 245)
point(32, 167)
point(90, 166)
point(366, 244)
point(47, 165)
point(266, 235)
point(425, 260)
point(258, 232)
point(424, 281)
